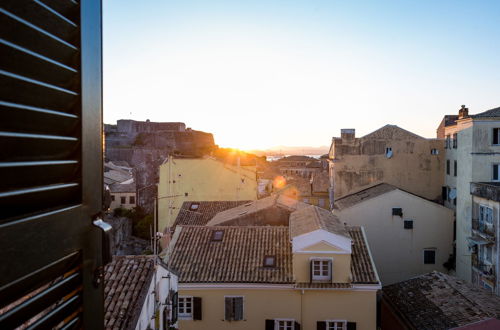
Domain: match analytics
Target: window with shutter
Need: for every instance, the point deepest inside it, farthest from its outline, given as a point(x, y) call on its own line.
point(455, 140)
point(197, 308)
point(185, 307)
point(336, 325)
point(496, 136)
point(50, 164)
point(429, 256)
point(233, 308)
point(321, 269)
point(321, 325)
point(448, 167)
point(455, 168)
point(496, 175)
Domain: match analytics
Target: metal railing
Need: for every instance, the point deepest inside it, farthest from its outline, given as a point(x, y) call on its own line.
point(483, 228)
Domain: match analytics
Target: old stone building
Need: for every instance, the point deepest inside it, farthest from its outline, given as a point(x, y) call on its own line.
point(391, 155)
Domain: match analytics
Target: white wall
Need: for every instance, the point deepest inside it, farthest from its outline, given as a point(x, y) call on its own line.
point(398, 252)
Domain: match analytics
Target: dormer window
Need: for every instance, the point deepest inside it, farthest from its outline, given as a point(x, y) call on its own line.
point(217, 235)
point(270, 261)
point(321, 269)
point(194, 206)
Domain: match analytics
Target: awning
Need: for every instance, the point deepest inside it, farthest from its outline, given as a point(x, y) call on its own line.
point(478, 240)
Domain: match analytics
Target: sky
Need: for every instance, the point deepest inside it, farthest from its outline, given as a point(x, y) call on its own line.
point(259, 74)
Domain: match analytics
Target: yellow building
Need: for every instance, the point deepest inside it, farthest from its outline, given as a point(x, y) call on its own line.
point(201, 179)
point(390, 154)
point(312, 273)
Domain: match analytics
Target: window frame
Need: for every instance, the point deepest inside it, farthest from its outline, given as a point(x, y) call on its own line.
point(277, 321)
point(448, 141)
point(429, 250)
point(181, 314)
point(408, 221)
point(448, 167)
point(217, 235)
point(242, 308)
point(269, 256)
point(497, 172)
point(497, 131)
point(329, 265)
point(123, 200)
point(131, 199)
point(455, 168)
point(335, 327)
point(455, 140)
point(483, 214)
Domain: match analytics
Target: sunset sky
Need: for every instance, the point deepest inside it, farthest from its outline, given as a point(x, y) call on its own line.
point(259, 74)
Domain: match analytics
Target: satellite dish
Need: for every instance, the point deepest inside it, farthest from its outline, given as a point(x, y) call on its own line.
point(453, 193)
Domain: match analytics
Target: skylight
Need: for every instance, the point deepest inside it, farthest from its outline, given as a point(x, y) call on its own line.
point(217, 235)
point(270, 261)
point(194, 206)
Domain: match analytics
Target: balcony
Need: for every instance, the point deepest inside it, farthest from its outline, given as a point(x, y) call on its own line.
point(486, 270)
point(485, 230)
point(488, 190)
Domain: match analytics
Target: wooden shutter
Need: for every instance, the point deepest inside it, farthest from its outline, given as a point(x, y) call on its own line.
point(444, 193)
point(351, 325)
point(321, 325)
point(50, 164)
point(330, 267)
point(495, 135)
point(197, 308)
point(228, 308)
point(296, 325)
point(495, 172)
point(311, 267)
point(175, 307)
point(269, 324)
point(238, 308)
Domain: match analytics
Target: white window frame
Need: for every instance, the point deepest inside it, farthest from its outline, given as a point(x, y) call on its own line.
point(242, 307)
point(484, 254)
point(277, 323)
point(434, 151)
point(329, 325)
point(330, 269)
point(483, 214)
point(182, 315)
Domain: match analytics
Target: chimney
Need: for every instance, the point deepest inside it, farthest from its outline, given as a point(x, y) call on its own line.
point(463, 112)
point(347, 134)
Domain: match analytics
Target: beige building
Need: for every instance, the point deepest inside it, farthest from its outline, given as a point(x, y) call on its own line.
point(484, 239)
point(312, 191)
point(473, 152)
point(408, 235)
point(201, 179)
point(312, 273)
point(390, 154)
point(123, 196)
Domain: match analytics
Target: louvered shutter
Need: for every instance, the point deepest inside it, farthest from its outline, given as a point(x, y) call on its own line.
point(321, 325)
point(238, 308)
point(311, 267)
point(50, 163)
point(269, 324)
point(296, 325)
point(197, 312)
point(351, 325)
point(228, 308)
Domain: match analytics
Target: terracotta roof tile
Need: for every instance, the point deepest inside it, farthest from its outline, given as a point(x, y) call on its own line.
point(362, 267)
point(312, 218)
point(362, 195)
point(126, 280)
point(439, 301)
point(198, 213)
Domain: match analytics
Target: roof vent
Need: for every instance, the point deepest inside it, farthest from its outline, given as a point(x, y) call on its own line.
point(217, 235)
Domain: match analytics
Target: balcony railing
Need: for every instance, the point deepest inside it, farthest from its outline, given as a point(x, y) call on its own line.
point(483, 228)
point(486, 269)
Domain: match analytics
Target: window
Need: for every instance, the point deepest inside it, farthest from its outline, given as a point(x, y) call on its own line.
point(113, 198)
point(455, 141)
point(217, 235)
point(321, 269)
point(185, 308)
point(496, 175)
point(486, 215)
point(448, 144)
point(448, 166)
point(397, 211)
point(233, 308)
point(444, 193)
point(284, 324)
point(434, 152)
point(455, 168)
point(408, 224)
point(269, 261)
point(336, 325)
point(488, 253)
point(131, 199)
point(388, 152)
point(430, 256)
point(123, 200)
point(194, 206)
point(496, 136)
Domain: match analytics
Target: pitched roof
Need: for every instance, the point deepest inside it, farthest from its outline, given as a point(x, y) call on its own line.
point(122, 187)
point(391, 132)
point(239, 257)
point(295, 158)
point(204, 212)
point(363, 195)
point(126, 283)
point(362, 267)
point(450, 120)
point(312, 218)
point(488, 114)
point(439, 301)
point(255, 207)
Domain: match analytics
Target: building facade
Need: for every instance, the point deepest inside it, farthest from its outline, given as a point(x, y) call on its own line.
point(201, 179)
point(484, 239)
point(391, 155)
point(473, 154)
point(313, 273)
point(408, 235)
point(123, 196)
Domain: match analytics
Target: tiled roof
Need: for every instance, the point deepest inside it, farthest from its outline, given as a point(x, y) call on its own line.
point(204, 212)
point(488, 114)
point(126, 283)
point(311, 218)
point(362, 268)
point(439, 301)
point(308, 285)
point(239, 257)
point(320, 182)
point(255, 207)
point(122, 187)
point(391, 132)
point(450, 120)
point(361, 196)
point(296, 158)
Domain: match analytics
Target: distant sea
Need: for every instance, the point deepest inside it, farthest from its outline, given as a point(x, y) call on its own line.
point(275, 158)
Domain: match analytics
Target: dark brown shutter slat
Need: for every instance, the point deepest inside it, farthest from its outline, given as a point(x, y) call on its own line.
point(269, 324)
point(228, 309)
point(321, 325)
point(67, 8)
point(351, 325)
point(197, 308)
